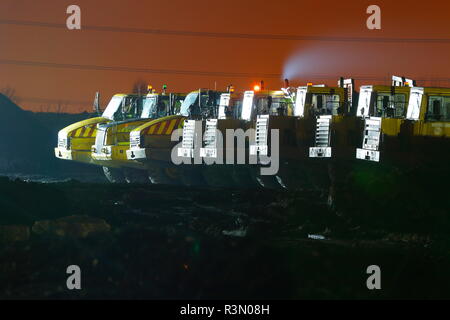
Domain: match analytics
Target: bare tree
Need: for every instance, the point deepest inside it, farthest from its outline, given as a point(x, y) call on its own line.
point(10, 93)
point(59, 106)
point(140, 87)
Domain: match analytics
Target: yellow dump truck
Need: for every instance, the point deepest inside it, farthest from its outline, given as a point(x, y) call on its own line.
point(296, 133)
point(420, 135)
point(338, 134)
point(151, 144)
point(75, 141)
point(227, 139)
point(113, 138)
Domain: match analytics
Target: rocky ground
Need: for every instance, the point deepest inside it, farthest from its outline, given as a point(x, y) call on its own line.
point(162, 242)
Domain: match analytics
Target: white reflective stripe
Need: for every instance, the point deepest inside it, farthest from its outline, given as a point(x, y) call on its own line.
point(247, 105)
point(415, 103)
point(224, 103)
point(365, 96)
point(299, 108)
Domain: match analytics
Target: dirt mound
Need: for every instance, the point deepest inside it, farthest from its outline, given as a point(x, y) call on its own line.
point(26, 145)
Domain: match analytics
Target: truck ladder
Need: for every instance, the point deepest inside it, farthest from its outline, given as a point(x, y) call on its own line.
point(371, 141)
point(322, 147)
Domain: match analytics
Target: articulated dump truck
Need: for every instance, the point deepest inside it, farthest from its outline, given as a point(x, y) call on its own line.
point(413, 136)
point(228, 140)
point(230, 144)
point(113, 138)
point(299, 135)
point(75, 141)
point(153, 147)
point(291, 138)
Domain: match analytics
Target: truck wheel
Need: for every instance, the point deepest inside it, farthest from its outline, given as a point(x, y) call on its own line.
point(114, 175)
point(157, 176)
point(267, 182)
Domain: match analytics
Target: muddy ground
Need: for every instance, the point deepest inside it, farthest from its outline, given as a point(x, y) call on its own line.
point(192, 243)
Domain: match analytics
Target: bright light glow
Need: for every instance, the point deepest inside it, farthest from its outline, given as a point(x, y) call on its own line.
point(256, 88)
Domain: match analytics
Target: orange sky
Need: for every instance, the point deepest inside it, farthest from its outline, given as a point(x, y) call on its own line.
point(400, 19)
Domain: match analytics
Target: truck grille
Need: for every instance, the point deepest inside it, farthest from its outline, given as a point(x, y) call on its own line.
point(322, 146)
point(210, 140)
point(187, 144)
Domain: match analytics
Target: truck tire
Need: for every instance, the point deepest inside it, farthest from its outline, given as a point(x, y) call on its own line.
point(136, 176)
point(266, 182)
point(157, 176)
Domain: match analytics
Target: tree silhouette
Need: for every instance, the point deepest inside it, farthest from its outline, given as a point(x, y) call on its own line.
point(140, 87)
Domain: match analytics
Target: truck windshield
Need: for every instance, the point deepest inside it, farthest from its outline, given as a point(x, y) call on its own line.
point(112, 107)
point(388, 106)
point(326, 104)
point(191, 98)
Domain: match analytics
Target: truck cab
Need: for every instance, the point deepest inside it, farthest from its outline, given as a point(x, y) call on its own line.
point(384, 109)
point(152, 140)
point(113, 138)
point(297, 129)
point(76, 140)
point(151, 143)
point(423, 137)
point(218, 149)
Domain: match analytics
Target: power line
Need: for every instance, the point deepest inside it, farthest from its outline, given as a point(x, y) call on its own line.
point(136, 69)
point(168, 71)
point(230, 35)
point(189, 72)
